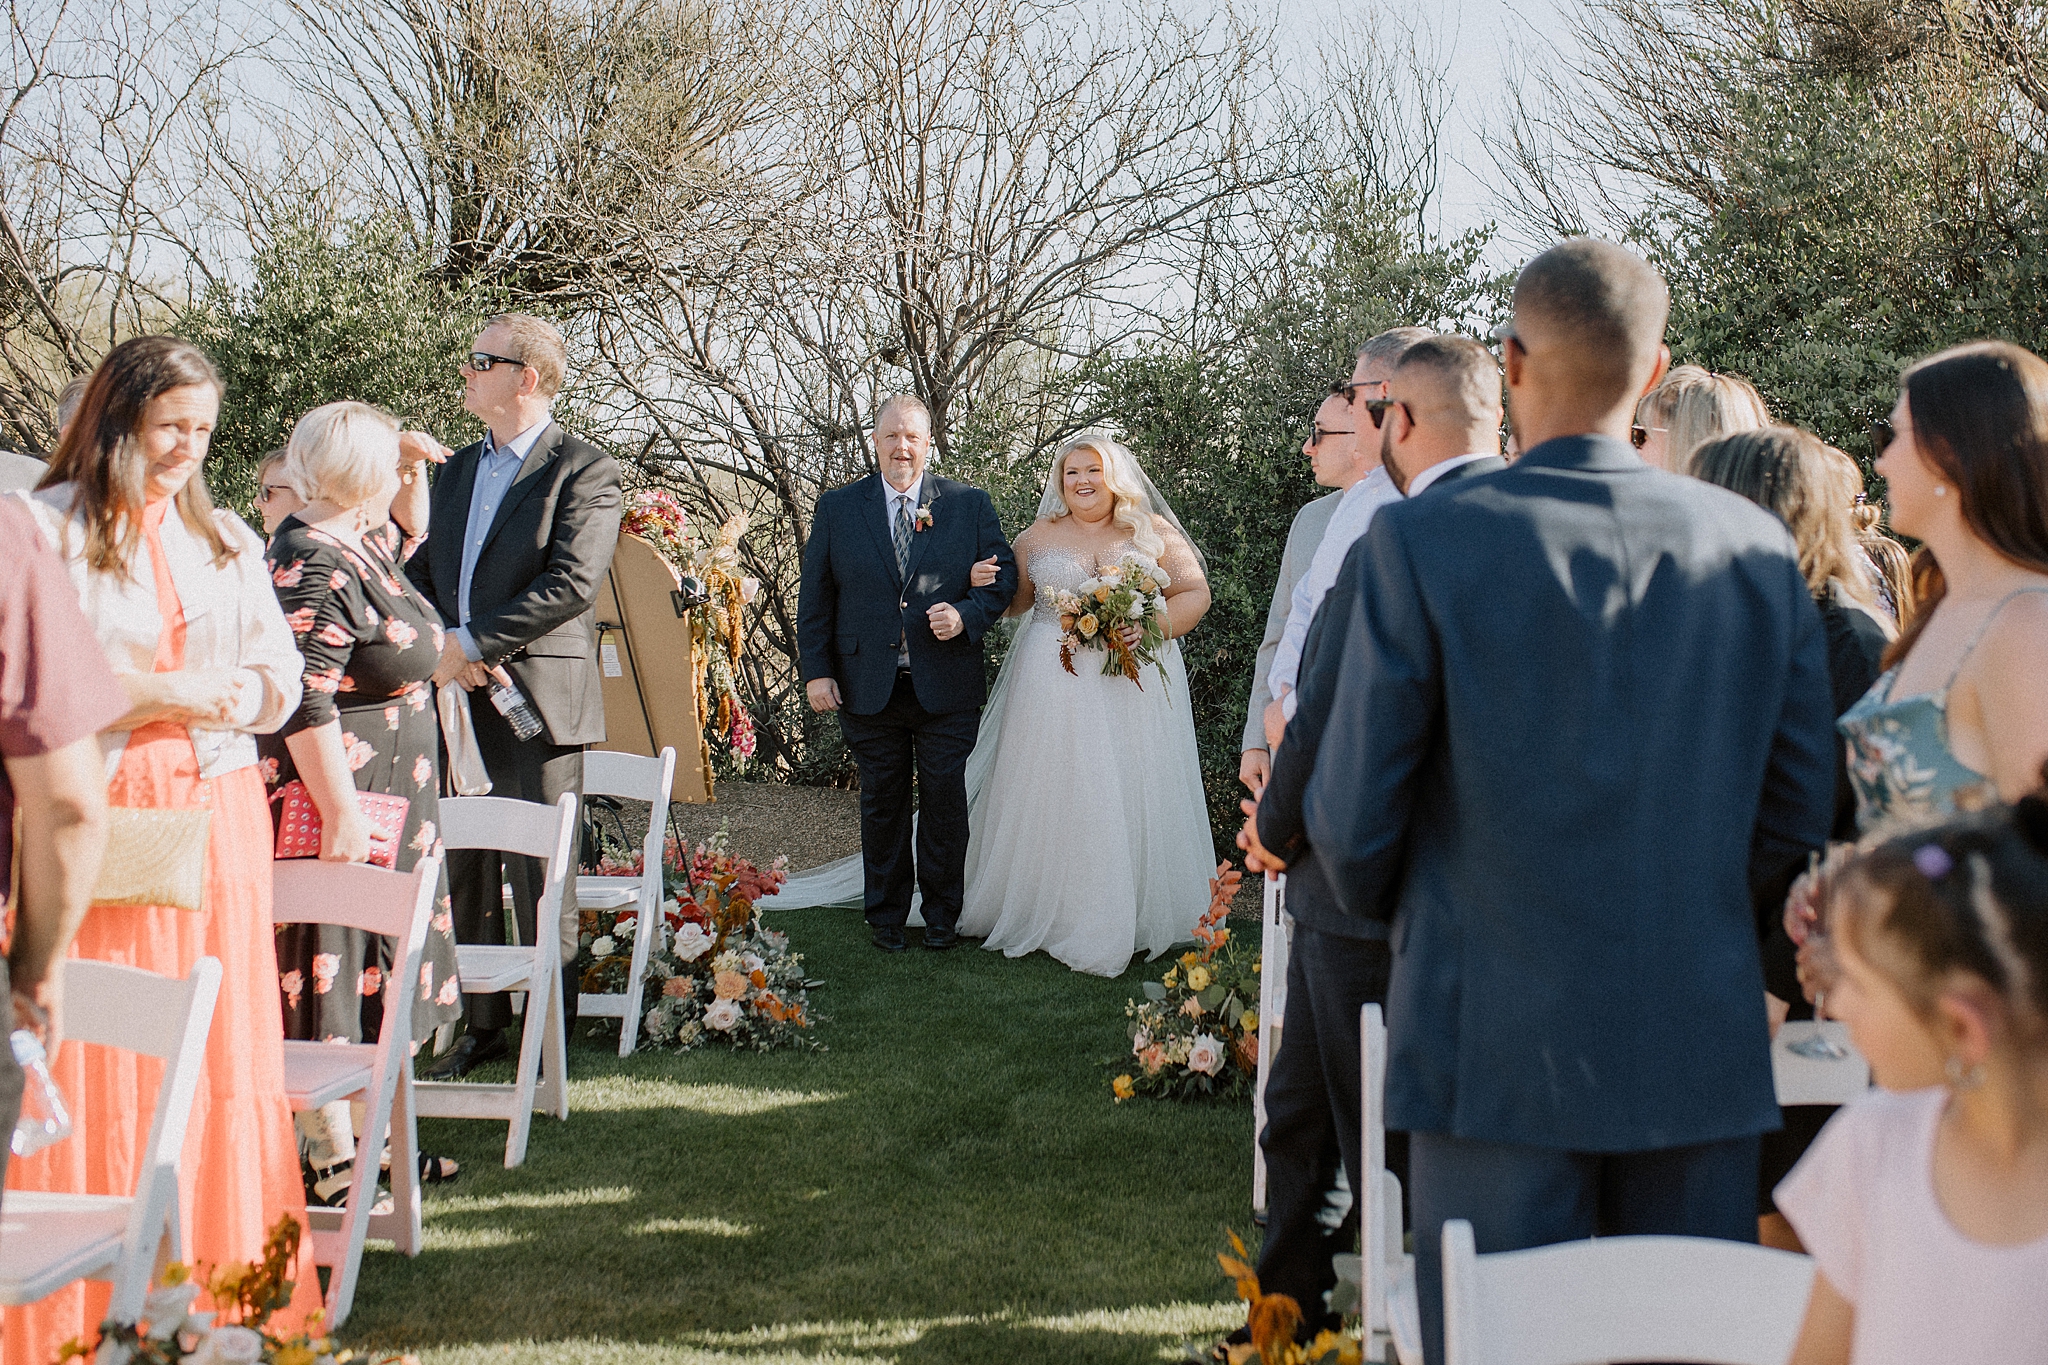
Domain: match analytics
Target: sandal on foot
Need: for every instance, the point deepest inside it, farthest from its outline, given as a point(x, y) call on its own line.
point(433, 1170)
point(329, 1189)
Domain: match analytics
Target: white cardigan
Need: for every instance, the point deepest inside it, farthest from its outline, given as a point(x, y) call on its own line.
point(232, 621)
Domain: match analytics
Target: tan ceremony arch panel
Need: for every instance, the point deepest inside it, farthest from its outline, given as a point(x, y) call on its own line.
point(650, 676)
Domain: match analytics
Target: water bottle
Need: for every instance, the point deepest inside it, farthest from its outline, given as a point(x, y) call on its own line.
point(516, 709)
point(44, 1119)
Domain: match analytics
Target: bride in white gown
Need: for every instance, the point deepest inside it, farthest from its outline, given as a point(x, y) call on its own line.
point(1088, 830)
point(1089, 833)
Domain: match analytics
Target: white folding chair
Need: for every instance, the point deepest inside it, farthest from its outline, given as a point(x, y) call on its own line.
point(547, 833)
point(1273, 945)
point(399, 906)
point(1813, 1080)
point(641, 779)
point(49, 1240)
point(1621, 1298)
point(1389, 1314)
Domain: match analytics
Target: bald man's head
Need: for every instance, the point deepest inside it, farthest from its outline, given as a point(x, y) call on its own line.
point(1594, 314)
point(1455, 377)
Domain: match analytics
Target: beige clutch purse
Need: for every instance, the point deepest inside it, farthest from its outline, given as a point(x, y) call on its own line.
point(154, 857)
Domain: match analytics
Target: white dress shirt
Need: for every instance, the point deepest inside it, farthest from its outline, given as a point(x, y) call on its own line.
point(905, 498)
point(496, 467)
point(1353, 515)
point(1437, 471)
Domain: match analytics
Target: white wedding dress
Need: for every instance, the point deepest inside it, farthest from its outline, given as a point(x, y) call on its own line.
point(1089, 832)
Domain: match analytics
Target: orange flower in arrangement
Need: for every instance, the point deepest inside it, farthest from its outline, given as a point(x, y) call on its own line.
point(759, 978)
point(767, 1003)
point(679, 987)
point(1209, 932)
point(1123, 1087)
point(729, 986)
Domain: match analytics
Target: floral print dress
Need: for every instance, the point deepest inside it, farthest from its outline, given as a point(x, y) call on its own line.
point(370, 642)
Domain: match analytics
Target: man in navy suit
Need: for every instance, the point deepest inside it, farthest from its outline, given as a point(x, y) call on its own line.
point(1438, 423)
point(1583, 704)
point(889, 630)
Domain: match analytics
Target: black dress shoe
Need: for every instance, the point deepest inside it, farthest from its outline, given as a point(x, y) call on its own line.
point(888, 940)
point(938, 940)
point(471, 1050)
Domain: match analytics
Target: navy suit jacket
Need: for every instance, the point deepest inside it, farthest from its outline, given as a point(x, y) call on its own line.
point(1310, 899)
point(1582, 704)
point(853, 606)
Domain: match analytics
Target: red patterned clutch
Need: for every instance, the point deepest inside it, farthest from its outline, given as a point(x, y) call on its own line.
point(298, 825)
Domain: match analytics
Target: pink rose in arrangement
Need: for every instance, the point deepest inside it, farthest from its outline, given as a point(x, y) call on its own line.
point(293, 984)
point(1205, 1055)
point(371, 981)
point(1152, 1059)
point(325, 968)
point(722, 1015)
point(1191, 1007)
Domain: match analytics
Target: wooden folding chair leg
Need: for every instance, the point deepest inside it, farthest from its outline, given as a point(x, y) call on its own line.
point(552, 1093)
point(402, 1226)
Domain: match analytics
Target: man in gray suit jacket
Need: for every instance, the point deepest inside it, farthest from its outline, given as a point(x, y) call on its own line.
point(1332, 448)
point(1583, 706)
point(520, 538)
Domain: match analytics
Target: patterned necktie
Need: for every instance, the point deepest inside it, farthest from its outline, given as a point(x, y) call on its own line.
point(903, 537)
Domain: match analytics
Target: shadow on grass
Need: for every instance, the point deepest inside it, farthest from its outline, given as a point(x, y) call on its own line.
point(948, 1181)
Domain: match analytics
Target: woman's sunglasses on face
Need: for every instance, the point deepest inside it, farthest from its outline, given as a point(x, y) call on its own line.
point(1639, 435)
point(1882, 435)
point(271, 490)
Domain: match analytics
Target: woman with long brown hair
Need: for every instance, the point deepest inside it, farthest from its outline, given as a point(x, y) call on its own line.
point(180, 599)
point(1960, 718)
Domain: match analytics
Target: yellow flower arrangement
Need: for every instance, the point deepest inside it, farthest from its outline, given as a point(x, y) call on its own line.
point(1089, 625)
point(1198, 978)
point(1123, 1087)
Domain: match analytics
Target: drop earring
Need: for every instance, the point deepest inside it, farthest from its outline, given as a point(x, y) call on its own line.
point(1941, 490)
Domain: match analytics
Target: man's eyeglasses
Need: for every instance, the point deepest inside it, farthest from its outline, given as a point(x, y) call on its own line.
point(481, 361)
point(1882, 435)
point(1318, 432)
point(1347, 389)
point(1376, 408)
point(1639, 435)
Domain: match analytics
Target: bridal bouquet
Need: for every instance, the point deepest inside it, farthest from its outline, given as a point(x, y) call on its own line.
point(1130, 592)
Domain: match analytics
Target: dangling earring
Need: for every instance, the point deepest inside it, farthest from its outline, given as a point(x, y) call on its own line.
point(1941, 490)
point(1961, 1077)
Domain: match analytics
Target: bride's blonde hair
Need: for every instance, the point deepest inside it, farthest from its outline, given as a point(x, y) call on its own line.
point(1133, 509)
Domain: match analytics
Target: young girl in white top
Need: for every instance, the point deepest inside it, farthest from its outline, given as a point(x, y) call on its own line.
point(1925, 1204)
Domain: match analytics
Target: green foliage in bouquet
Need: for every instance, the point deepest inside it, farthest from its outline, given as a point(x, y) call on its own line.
point(1195, 1035)
point(1129, 592)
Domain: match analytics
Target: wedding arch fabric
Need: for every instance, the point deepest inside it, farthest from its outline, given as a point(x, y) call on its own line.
point(1084, 758)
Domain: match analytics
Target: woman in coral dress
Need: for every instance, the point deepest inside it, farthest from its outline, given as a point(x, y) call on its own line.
point(180, 599)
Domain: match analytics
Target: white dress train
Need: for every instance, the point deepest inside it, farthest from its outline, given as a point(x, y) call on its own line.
point(1089, 832)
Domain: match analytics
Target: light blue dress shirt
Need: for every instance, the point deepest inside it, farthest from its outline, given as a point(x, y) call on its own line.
point(1349, 522)
point(496, 467)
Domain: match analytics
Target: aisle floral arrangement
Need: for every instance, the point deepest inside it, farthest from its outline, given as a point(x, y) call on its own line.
point(717, 625)
point(170, 1333)
point(1196, 1033)
point(1274, 1319)
point(716, 974)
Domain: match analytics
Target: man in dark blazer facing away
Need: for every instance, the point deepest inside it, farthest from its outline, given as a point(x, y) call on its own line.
point(1582, 705)
point(1438, 423)
point(520, 537)
point(890, 630)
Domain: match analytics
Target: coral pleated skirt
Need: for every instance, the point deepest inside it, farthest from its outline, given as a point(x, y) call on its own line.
point(240, 1169)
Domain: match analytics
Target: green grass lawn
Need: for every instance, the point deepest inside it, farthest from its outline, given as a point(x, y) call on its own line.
point(947, 1182)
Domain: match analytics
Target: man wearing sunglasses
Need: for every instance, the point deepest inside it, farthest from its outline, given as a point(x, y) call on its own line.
point(1376, 360)
point(1336, 459)
point(1582, 709)
point(520, 537)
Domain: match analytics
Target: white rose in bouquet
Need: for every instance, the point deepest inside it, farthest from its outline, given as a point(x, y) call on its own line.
point(691, 942)
point(603, 947)
point(167, 1311)
point(229, 1346)
point(1205, 1055)
point(751, 963)
point(1137, 609)
point(1140, 1041)
point(722, 1015)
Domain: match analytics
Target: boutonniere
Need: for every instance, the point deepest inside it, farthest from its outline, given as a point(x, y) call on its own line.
point(922, 520)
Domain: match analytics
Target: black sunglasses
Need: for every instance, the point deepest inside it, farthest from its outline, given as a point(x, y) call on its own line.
point(1639, 435)
point(481, 361)
point(1376, 408)
point(1347, 389)
point(1882, 435)
point(1318, 431)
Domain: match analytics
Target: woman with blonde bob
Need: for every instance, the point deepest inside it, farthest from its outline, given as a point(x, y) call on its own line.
point(1072, 757)
point(1691, 407)
point(366, 724)
point(180, 602)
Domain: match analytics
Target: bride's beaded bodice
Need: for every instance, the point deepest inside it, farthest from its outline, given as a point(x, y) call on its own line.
point(1064, 568)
